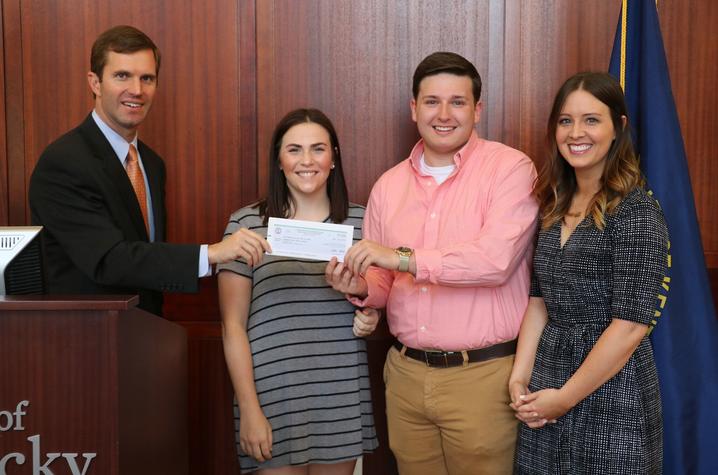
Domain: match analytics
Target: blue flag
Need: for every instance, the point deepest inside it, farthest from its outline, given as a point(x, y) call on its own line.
point(685, 339)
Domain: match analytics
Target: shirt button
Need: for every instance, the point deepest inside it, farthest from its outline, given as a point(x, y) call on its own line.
point(433, 215)
point(423, 328)
point(423, 289)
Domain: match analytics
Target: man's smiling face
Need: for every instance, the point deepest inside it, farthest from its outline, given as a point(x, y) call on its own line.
point(445, 113)
point(123, 96)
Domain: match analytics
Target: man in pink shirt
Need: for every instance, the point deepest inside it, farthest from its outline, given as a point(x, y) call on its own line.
point(447, 250)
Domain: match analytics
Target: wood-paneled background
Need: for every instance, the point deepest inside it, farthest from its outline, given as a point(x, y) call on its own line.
point(232, 68)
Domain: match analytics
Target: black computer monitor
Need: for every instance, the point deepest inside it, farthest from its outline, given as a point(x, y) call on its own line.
point(21, 269)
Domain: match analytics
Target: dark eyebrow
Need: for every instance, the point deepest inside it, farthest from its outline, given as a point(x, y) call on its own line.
point(454, 97)
point(311, 145)
point(566, 114)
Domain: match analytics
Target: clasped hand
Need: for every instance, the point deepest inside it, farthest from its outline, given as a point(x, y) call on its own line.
point(539, 408)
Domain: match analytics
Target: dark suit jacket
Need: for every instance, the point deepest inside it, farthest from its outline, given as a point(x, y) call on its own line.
point(94, 239)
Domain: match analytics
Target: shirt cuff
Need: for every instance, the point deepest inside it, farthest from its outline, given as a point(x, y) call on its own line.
point(375, 297)
point(428, 264)
point(205, 269)
point(356, 301)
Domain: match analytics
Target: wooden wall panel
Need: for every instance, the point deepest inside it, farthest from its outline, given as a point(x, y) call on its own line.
point(208, 134)
point(211, 420)
point(14, 145)
point(354, 60)
point(4, 191)
point(546, 42)
point(692, 50)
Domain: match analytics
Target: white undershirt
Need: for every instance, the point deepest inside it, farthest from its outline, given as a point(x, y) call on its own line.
point(440, 174)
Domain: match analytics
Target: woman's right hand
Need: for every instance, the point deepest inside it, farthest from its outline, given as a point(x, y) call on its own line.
point(255, 435)
point(516, 390)
point(365, 322)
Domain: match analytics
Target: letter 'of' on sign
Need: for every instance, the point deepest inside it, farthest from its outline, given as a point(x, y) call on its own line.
point(13, 420)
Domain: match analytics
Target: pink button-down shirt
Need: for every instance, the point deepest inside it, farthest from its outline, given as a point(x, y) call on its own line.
point(472, 237)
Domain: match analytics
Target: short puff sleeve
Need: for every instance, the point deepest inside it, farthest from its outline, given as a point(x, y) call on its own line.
point(640, 247)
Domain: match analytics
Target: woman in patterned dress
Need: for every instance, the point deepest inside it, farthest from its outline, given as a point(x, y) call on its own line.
point(584, 382)
point(297, 364)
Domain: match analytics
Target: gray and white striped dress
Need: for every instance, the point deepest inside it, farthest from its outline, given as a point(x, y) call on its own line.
point(310, 370)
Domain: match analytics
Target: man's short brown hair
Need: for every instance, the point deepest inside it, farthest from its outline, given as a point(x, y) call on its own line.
point(445, 62)
point(121, 39)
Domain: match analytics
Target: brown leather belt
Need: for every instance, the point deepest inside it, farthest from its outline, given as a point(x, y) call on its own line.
point(448, 359)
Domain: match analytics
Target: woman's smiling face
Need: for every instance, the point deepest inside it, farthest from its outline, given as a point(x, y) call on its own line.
point(584, 133)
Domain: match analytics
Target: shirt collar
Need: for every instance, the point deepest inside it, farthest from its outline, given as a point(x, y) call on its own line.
point(459, 158)
point(117, 142)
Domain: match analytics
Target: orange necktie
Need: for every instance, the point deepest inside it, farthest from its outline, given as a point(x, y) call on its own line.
point(138, 182)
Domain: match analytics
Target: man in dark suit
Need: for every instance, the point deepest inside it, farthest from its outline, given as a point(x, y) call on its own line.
point(99, 191)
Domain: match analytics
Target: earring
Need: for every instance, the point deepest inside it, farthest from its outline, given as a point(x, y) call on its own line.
point(332, 167)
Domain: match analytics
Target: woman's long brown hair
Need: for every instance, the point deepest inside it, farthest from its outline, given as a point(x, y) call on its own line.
point(556, 183)
point(278, 202)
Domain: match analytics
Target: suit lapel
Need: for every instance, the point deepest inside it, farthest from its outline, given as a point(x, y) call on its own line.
point(103, 151)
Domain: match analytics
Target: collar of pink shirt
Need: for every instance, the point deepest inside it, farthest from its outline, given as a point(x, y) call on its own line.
point(459, 157)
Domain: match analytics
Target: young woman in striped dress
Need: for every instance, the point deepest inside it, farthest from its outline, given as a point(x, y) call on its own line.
point(292, 344)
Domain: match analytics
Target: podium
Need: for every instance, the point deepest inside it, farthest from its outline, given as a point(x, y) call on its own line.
point(91, 385)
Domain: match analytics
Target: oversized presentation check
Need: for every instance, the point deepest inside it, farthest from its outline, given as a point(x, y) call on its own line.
point(309, 239)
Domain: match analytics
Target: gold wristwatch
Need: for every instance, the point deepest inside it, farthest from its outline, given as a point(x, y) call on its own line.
point(404, 254)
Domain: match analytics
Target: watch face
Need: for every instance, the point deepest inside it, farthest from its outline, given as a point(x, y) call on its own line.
point(404, 250)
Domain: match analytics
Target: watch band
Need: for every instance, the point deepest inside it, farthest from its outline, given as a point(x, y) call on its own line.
point(404, 254)
point(403, 263)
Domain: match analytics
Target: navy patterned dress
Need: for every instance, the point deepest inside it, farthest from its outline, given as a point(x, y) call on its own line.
point(596, 276)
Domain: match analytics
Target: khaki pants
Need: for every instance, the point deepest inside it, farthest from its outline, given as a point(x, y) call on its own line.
point(450, 421)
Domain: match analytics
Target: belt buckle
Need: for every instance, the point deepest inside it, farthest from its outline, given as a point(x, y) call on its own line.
point(436, 353)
